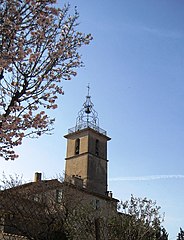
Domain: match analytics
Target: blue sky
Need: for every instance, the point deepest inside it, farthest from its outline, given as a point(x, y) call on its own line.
point(135, 67)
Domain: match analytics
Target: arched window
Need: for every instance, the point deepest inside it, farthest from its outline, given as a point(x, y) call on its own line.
point(77, 146)
point(97, 147)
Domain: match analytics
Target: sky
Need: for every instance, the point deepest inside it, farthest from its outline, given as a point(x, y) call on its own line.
point(135, 67)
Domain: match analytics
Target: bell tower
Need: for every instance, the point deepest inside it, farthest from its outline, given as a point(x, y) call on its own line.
point(86, 157)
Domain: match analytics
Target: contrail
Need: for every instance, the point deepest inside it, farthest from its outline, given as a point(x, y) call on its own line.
point(147, 178)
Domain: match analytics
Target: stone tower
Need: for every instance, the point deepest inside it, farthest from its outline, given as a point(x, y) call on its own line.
point(86, 157)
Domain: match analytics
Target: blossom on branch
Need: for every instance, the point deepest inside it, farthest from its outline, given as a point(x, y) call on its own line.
point(39, 46)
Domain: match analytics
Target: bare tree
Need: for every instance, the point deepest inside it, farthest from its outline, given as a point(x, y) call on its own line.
point(34, 211)
point(39, 46)
point(138, 219)
point(180, 235)
point(10, 181)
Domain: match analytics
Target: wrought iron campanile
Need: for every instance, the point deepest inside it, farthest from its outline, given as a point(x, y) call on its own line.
point(87, 116)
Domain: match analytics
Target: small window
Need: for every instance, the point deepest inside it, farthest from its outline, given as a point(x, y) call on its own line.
point(97, 147)
point(97, 204)
point(59, 196)
point(77, 146)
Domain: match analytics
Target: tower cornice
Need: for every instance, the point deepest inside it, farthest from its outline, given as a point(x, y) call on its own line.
point(85, 153)
point(72, 132)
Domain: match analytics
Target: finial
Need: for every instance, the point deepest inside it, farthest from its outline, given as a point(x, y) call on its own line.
point(88, 88)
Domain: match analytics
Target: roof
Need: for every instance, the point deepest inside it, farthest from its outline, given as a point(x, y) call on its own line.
point(46, 185)
point(34, 187)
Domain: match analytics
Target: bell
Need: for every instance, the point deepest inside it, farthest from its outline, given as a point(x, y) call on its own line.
point(87, 110)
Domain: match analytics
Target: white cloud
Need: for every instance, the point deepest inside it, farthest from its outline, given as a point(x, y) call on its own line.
point(163, 32)
point(147, 178)
point(159, 32)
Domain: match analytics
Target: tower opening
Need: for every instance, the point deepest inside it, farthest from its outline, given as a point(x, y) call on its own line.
point(77, 146)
